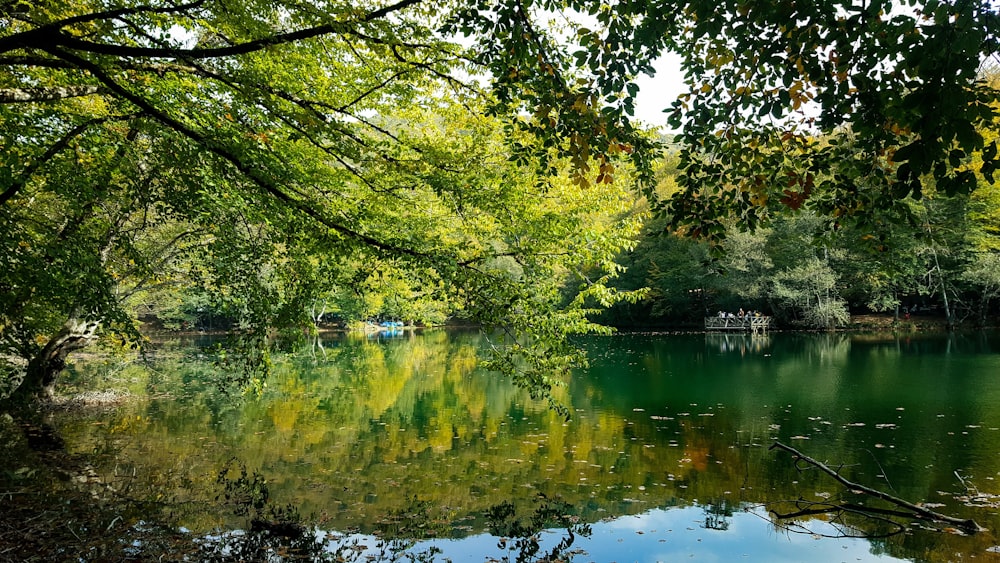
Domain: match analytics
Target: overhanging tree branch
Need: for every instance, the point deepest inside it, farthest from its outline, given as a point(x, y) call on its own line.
point(55, 36)
point(249, 170)
point(24, 95)
point(18, 183)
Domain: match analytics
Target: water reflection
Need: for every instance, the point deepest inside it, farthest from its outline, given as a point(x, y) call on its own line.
point(741, 344)
point(655, 535)
point(665, 428)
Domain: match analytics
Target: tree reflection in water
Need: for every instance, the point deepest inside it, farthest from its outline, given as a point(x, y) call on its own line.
point(279, 533)
point(521, 537)
point(718, 515)
point(351, 435)
point(848, 519)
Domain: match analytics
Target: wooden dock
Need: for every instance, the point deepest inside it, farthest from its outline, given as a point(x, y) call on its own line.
point(745, 324)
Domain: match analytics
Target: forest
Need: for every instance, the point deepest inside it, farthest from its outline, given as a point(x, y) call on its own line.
point(933, 257)
point(250, 174)
point(271, 167)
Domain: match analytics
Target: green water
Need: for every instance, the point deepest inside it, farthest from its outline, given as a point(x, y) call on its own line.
point(666, 455)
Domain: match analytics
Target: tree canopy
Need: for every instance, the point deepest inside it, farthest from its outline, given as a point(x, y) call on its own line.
point(843, 107)
point(479, 150)
point(839, 105)
point(270, 152)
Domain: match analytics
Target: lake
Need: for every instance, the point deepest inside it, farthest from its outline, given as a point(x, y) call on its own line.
point(397, 447)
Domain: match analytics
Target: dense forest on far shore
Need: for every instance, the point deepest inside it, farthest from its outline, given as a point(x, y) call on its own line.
point(933, 257)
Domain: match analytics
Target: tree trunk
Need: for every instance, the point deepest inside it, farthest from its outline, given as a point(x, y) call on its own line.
point(42, 370)
point(948, 314)
point(984, 310)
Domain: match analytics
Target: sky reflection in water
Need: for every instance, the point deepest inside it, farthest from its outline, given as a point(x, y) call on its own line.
point(678, 535)
point(664, 428)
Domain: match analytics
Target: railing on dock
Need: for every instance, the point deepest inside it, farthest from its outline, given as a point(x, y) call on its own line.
point(745, 324)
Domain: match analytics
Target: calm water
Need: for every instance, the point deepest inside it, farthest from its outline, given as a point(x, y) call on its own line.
point(666, 456)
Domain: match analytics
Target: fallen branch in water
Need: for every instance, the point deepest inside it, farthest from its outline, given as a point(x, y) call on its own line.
point(968, 526)
point(807, 508)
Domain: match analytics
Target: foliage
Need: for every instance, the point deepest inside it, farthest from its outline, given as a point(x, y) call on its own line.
point(273, 158)
point(521, 535)
point(807, 289)
point(281, 156)
point(934, 253)
point(837, 106)
point(781, 270)
point(983, 273)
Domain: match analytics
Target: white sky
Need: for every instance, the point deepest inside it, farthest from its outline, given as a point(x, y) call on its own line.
point(656, 93)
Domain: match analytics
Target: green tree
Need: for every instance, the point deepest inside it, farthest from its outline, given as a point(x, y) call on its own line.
point(943, 247)
point(984, 228)
point(878, 271)
point(810, 289)
point(255, 153)
point(787, 267)
point(983, 275)
point(679, 276)
point(100, 227)
point(309, 126)
point(768, 85)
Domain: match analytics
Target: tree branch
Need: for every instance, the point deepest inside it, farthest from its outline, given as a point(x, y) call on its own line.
point(966, 525)
point(249, 170)
point(54, 36)
point(23, 95)
point(163, 257)
point(879, 514)
point(18, 183)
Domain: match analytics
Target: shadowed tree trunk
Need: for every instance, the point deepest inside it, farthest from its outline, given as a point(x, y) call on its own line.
point(43, 369)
